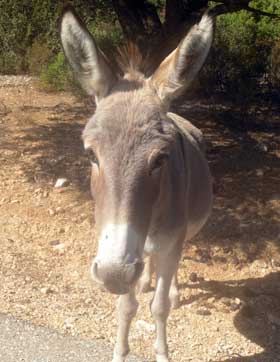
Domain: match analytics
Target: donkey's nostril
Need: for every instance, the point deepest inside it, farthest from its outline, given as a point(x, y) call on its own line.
point(94, 268)
point(94, 272)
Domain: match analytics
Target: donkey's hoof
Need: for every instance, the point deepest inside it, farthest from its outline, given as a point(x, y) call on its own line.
point(161, 358)
point(117, 358)
point(120, 357)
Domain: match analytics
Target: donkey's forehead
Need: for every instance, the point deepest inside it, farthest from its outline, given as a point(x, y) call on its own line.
point(136, 111)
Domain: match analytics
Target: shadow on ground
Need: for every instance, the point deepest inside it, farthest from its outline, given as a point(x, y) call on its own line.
point(244, 163)
point(49, 145)
point(258, 319)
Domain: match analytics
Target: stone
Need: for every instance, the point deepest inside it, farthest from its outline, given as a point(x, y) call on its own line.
point(234, 307)
point(54, 242)
point(193, 277)
point(51, 212)
point(61, 182)
point(46, 290)
point(259, 173)
point(143, 325)
point(203, 312)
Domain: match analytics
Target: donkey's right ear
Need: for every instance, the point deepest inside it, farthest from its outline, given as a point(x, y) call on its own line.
point(87, 61)
point(179, 68)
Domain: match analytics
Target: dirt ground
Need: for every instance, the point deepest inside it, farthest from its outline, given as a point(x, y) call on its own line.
point(229, 275)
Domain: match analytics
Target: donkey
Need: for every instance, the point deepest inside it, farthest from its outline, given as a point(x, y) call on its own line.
point(150, 179)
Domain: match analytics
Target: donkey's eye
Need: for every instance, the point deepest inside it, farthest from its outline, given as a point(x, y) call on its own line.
point(158, 162)
point(92, 156)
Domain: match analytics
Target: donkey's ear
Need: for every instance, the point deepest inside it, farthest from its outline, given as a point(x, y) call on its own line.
point(177, 71)
point(87, 61)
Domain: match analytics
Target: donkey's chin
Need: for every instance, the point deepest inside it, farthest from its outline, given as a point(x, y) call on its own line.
point(116, 278)
point(117, 288)
point(114, 288)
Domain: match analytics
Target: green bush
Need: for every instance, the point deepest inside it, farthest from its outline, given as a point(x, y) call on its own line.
point(56, 75)
point(23, 22)
point(38, 56)
point(244, 53)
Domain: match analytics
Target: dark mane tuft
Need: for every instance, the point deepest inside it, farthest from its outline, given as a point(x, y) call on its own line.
point(130, 59)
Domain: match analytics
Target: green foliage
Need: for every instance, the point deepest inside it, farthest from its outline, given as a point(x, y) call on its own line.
point(21, 22)
point(56, 75)
point(38, 55)
point(246, 48)
point(242, 54)
point(108, 37)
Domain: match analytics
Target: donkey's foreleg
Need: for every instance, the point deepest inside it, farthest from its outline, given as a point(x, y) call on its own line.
point(144, 283)
point(126, 308)
point(166, 266)
point(174, 295)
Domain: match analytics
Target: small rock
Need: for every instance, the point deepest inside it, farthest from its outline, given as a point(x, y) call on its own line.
point(45, 194)
point(237, 301)
point(226, 301)
point(51, 212)
point(68, 325)
point(193, 277)
point(262, 147)
point(211, 300)
point(14, 201)
point(46, 290)
point(259, 172)
point(61, 182)
point(140, 324)
point(59, 247)
point(203, 312)
point(59, 210)
point(235, 260)
point(54, 242)
point(234, 306)
point(275, 263)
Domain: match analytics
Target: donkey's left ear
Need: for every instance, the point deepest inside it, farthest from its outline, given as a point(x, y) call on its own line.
point(177, 71)
point(87, 61)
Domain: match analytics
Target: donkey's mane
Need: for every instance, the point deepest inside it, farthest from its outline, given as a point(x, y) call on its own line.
point(131, 61)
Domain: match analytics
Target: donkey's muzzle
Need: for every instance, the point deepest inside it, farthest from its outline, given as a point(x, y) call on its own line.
point(116, 278)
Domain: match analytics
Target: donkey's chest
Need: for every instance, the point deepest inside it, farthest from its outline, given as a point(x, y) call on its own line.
point(158, 242)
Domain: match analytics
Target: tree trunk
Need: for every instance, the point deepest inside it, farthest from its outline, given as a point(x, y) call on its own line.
point(142, 26)
point(138, 18)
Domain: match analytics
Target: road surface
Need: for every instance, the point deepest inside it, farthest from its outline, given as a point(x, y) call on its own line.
point(23, 342)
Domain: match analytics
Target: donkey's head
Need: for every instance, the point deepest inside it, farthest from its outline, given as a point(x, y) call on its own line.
point(134, 146)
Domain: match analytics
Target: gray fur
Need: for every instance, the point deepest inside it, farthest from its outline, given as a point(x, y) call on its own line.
point(151, 185)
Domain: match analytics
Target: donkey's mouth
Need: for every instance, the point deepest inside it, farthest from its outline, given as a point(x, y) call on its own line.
point(114, 288)
point(117, 289)
point(117, 279)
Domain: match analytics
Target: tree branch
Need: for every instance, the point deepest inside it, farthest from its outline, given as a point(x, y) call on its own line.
point(230, 6)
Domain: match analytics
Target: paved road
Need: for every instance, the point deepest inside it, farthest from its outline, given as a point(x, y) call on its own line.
point(24, 342)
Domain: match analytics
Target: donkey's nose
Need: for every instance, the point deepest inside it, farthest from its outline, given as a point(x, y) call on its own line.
point(117, 278)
